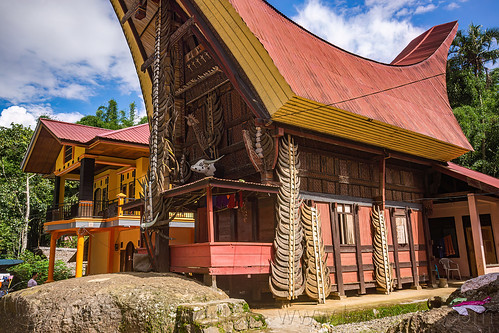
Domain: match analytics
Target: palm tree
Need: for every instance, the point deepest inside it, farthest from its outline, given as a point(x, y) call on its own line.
point(474, 49)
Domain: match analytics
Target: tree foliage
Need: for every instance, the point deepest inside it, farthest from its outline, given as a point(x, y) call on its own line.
point(14, 142)
point(36, 264)
point(474, 95)
point(110, 117)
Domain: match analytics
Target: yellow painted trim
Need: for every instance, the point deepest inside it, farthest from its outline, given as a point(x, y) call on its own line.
point(318, 117)
point(144, 79)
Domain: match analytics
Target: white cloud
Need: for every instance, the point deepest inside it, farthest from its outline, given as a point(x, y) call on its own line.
point(452, 5)
point(425, 9)
point(61, 49)
point(378, 30)
point(27, 115)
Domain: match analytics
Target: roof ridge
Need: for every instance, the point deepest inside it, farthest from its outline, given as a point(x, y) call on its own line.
point(328, 42)
point(71, 124)
point(426, 34)
point(121, 130)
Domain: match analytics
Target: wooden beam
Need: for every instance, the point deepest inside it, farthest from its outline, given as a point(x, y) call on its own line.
point(412, 250)
point(358, 250)
point(149, 61)
point(216, 49)
point(200, 78)
point(429, 248)
point(395, 248)
point(337, 250)
point(182, 30)
point(130, 12)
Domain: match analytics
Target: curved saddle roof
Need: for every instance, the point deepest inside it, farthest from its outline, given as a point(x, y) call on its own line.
point(304, 81)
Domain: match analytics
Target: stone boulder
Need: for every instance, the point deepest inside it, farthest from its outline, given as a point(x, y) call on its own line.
point(447, 320)
point(121, 302)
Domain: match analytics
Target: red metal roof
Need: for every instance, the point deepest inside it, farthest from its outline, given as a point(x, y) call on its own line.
point(411, 94)
point(135, 134)
point(84, 134)
point(473, 178)
point(72, 132)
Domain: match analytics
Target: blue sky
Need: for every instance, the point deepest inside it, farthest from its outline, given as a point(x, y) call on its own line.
point(65, 58)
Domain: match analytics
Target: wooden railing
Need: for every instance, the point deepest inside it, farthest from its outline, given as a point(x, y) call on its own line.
point(91, 209)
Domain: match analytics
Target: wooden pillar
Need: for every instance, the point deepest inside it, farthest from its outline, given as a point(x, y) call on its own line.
point(395, 243)
point(429, 247)
point(255, 228)
point(233, 224)
point(358, 250)
point(87, 179)
point(337, 251)
point(412, 250)
point(209, 215)
point(110, 252)
point(57, 190)
point(382, 185)
point(80, 247)
point(476, 231)
point(53, 239)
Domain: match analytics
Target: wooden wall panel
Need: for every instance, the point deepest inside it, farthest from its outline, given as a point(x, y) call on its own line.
point(266, 220)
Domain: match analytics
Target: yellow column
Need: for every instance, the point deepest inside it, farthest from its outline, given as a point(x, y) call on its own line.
point(80, 246)
point(53, 240)
point(121, 201)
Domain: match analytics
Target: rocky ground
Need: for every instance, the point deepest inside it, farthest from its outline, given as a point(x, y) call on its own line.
point(447, 320)
point(123, 302)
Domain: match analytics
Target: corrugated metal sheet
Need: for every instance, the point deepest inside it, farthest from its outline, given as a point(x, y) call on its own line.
point(85, 134)
point(473, 178)
point(136, 134)
point(72, 132)
point(412, 97)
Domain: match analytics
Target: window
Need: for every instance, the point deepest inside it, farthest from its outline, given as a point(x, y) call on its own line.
point(131, 189)
point(401, 225)
point(68, 153)
point(346, 224)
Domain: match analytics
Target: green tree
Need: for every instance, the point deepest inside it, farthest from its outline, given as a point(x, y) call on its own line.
point(110, 117)
point(473, 94)
point(23, 197)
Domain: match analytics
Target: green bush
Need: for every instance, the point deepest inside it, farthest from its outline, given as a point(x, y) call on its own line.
point(35, 263)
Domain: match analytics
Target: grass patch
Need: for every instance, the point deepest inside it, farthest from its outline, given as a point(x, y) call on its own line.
point(356, 316)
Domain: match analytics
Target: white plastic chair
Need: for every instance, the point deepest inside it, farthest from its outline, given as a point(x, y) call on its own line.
point(447, 264)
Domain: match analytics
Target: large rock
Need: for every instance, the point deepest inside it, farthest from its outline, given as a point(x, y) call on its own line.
point(122, 302)
point(447, 320)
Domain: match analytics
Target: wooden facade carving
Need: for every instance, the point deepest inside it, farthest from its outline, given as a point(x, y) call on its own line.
point(317, 280)
point(286, 278)
point(381, 259)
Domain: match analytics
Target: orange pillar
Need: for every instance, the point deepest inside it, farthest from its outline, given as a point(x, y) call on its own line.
point(209, 208)
point(476, 231)
point(110, 252)
point(53, 240)
point(80, 246)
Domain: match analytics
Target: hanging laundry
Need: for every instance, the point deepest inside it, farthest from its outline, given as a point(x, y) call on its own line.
point(463, 310)
point(482, 302)
point(449, 246)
